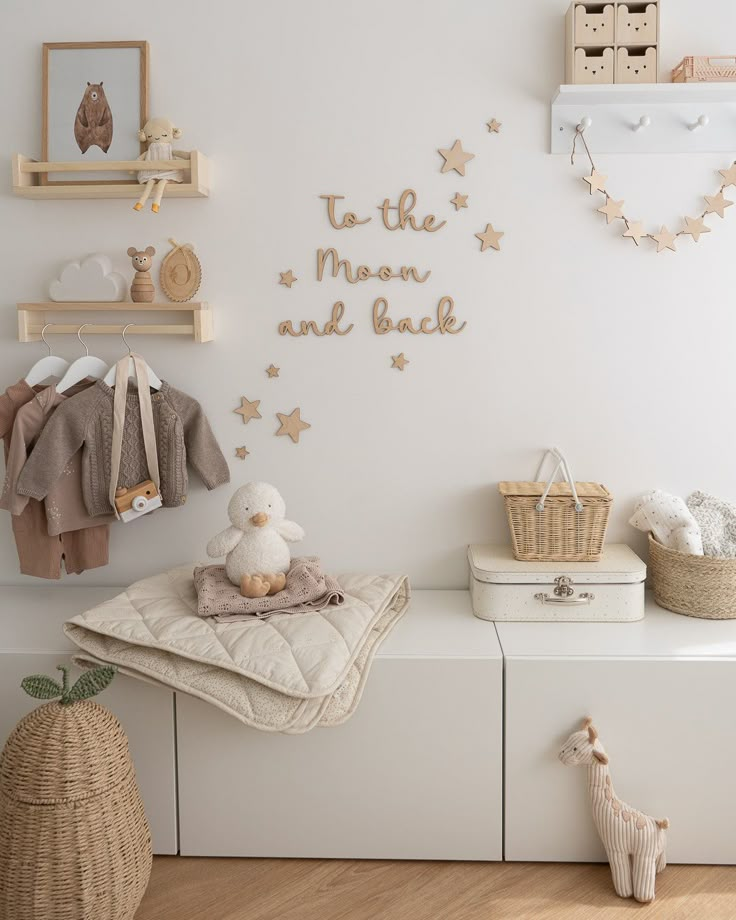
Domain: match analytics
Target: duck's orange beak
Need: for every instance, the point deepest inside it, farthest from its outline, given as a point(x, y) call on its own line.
point(260, 519)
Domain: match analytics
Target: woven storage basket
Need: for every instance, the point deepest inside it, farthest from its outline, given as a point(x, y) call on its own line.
point(697, 586)
point(74, 839)
point(559, 533)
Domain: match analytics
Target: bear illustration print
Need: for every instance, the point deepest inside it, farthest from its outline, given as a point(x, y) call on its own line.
point(93, 123)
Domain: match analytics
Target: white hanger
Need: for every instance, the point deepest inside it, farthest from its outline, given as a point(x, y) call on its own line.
point(86, 366)
point(153, 381)
point(48, 366)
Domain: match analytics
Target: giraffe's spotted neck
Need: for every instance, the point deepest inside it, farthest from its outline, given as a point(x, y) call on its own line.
point(599, 776)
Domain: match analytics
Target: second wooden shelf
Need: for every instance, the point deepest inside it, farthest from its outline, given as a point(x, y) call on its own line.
point(32, 317)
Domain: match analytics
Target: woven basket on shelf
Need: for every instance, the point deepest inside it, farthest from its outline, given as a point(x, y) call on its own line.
point(697, 586)
point(74, 839)
point(559, 533)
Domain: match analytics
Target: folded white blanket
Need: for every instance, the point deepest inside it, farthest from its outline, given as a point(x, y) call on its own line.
point(286, 673)
point(717, 521)
point(669, 519)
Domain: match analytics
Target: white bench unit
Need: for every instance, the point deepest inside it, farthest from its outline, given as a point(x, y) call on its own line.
point(416, 773)
point(662, 692)
point(32, 642)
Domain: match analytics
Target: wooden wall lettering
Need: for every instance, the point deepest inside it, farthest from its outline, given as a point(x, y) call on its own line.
point(406, 204)
point(446, 320)
point(331, 327)
point(363, 272)
point(349, 219)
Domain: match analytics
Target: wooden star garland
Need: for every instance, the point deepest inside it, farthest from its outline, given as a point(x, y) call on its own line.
point(248, 409)
point(455, 158)
point(292, 424)
point(665, 239)
point(400, 361)
point(288, 278)
point(460, 201)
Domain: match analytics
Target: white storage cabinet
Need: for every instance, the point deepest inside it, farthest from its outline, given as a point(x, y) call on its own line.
point(416, 773)
point(662, 693)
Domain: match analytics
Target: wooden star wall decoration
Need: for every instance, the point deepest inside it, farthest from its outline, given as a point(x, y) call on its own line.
point(460, 201)
point(272, 371)
point(494, 126)
point(292, 424)
point(455, 158)
point(400, 361)
point(248, 410)
point(665, 239)
point(489, 238)
point(288, 278)
point(241, 453)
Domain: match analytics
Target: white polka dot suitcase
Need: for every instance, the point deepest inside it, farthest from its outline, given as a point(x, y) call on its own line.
point(504, 588)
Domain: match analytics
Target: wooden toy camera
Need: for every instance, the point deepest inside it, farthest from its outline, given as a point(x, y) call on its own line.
point(136, 501)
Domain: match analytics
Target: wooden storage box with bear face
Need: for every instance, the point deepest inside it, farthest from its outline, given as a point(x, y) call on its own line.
point(593, 25)
point(636, 65)
point(591, 65)
point(636, 24)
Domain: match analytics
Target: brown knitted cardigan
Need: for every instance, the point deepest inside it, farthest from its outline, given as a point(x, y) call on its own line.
point(182, 434)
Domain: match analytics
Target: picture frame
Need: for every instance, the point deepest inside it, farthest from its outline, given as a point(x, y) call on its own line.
point(94, 102)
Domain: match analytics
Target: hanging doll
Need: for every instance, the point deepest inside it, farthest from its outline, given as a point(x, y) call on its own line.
point(158, 133)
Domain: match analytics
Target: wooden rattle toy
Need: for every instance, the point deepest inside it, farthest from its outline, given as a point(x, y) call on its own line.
point(141, 290)
point(158, 133)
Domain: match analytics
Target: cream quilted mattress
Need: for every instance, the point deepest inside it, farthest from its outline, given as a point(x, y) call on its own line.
point(284, 674)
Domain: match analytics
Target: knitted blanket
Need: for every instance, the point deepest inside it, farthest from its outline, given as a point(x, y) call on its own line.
point(282, 674)
point(307, 590)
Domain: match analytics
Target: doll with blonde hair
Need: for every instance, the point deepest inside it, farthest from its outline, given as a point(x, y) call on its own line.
point(158, 133)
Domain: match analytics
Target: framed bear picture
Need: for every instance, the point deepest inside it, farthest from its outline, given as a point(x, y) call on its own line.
point(95, 100)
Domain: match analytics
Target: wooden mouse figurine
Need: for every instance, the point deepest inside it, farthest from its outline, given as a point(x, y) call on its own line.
point(141, 290)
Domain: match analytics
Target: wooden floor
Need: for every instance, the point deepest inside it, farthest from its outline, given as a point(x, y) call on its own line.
point(300, 889)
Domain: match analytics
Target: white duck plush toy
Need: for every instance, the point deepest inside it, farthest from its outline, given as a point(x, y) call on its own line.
point(257, 556)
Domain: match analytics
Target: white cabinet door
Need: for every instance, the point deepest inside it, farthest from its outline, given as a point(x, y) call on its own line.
point(669, 727)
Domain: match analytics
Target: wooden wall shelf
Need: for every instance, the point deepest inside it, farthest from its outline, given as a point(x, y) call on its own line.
point(26, 173)
point(32, 317)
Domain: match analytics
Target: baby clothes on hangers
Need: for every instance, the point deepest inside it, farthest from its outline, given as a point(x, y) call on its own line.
point(183, 435)
point(64, 505)
point(40, 554)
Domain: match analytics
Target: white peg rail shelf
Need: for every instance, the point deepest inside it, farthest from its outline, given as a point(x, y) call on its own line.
point(646, 117)
point(32, 317)
point(27, 182)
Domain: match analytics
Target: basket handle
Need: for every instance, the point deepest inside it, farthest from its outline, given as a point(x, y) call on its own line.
point(562, 465)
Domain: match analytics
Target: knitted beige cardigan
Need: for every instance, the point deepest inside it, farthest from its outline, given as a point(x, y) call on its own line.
point(85, 421)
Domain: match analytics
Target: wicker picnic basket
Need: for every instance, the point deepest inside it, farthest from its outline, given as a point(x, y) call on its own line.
point(713, 69)
point(74, 839)
point(557, 521)
point(697, 586)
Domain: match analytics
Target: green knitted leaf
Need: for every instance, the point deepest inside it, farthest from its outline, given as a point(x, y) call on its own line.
point(41, 687)
point(90, 684)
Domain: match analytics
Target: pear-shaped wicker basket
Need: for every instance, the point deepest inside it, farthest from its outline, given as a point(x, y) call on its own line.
point(74, 839)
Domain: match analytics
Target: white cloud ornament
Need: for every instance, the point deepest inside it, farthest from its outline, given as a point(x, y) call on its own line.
point(90, 280)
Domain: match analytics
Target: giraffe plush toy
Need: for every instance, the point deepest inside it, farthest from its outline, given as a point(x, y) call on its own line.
point(634, 842)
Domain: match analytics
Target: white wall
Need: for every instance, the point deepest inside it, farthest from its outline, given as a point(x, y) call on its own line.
point(574, 336)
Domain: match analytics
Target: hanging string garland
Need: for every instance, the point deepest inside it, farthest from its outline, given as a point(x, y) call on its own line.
point(665, 239)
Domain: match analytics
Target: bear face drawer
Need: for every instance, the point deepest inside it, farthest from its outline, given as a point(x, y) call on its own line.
point(594, 25)
point(592, 66)
point(636, 24)
point(636, 65)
